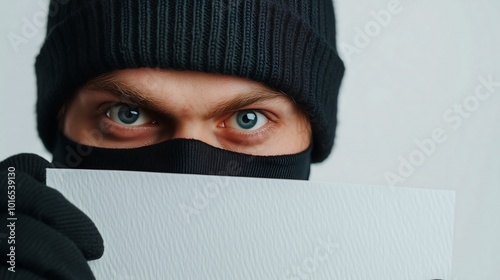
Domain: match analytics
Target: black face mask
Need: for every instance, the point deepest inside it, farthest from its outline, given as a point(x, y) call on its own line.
point(186, 156)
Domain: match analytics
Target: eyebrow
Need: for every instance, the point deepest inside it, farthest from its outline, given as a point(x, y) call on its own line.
point(147, 101)
point(243, 100)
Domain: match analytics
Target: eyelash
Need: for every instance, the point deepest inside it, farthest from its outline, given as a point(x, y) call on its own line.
point(237, 135)
point(109, 126)
point(258, 135)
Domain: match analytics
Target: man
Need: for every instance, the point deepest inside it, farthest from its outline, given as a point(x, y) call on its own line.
point(240, 88)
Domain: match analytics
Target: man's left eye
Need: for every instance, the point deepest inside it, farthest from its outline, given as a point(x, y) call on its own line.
point(247, 120)
point(128, 115)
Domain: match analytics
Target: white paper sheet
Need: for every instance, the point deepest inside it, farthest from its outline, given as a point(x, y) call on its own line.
point(171, 226)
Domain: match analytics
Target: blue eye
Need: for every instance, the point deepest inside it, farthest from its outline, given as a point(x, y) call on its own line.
point(128, 114)
point(247, 120)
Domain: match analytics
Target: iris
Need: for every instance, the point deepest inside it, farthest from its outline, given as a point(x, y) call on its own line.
point(128, 114)
point(247, 119)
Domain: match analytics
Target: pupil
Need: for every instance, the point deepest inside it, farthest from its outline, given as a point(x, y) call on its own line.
point(127, 114)
point(247, 119)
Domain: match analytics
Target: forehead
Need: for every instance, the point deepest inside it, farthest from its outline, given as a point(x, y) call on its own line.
point(198, 83)
point(170, 90)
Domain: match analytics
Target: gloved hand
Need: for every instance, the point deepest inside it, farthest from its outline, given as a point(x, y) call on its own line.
point(53, 238)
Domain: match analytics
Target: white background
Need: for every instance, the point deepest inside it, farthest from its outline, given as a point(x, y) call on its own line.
point(396, 89)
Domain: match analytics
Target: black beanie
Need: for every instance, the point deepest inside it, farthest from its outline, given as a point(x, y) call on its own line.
point(287, 45)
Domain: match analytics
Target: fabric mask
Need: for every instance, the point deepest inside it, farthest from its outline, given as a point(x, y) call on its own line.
point(186, 156)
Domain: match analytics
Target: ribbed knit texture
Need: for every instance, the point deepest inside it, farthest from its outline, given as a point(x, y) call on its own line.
point(288, 45)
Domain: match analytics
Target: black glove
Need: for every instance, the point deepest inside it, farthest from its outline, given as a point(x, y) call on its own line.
point(53, 238)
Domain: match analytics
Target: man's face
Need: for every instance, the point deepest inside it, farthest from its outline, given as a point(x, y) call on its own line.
point(139, 107)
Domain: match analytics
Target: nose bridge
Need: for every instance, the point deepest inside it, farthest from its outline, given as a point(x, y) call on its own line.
point(194, 130)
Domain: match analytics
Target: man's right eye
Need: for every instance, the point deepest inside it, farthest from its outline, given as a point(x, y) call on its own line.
point(248, 120)
point(128, 115)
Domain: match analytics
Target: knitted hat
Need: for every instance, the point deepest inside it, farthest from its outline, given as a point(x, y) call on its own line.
point(288, 45)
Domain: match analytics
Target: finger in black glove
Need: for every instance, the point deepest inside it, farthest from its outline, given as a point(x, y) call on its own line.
point(53, 238)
